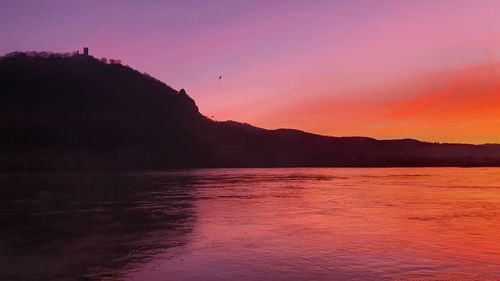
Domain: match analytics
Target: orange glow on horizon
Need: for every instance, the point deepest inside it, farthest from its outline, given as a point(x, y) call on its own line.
point(453, 106)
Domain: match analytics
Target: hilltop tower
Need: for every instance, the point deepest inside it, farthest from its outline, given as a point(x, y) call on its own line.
point(85, 51)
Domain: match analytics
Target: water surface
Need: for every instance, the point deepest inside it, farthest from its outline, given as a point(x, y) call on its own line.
point(252, 224)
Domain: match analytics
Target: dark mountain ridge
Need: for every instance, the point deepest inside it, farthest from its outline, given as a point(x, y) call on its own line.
point(75, 112)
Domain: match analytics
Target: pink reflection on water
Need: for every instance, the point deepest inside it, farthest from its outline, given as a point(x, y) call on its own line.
point(324, 224)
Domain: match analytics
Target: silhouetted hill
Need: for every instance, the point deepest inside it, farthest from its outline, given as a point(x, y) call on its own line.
point(62, 111)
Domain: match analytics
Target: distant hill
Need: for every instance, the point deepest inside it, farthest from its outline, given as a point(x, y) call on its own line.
point(75, 112)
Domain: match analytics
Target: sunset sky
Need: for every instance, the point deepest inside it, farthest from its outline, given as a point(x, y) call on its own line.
point(424, 69)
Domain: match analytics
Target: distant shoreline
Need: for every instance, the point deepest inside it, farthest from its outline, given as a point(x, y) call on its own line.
point(73, 112)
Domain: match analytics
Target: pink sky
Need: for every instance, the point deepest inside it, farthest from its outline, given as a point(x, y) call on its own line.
point(386, 69)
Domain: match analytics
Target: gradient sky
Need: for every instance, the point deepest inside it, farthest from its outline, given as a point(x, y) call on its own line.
point(422, 69)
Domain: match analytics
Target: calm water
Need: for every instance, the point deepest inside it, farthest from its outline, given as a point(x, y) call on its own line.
point(252, 224)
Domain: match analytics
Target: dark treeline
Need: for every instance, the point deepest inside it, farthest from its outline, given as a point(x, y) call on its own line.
point(54, 55)
point(76, 112)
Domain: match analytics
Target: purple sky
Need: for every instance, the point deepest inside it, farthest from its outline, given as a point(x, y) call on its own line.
point(276, 56)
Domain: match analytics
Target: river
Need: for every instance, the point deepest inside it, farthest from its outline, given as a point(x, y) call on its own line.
point(252, 224)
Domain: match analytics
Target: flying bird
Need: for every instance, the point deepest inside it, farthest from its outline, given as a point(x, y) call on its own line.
point(220, 77)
